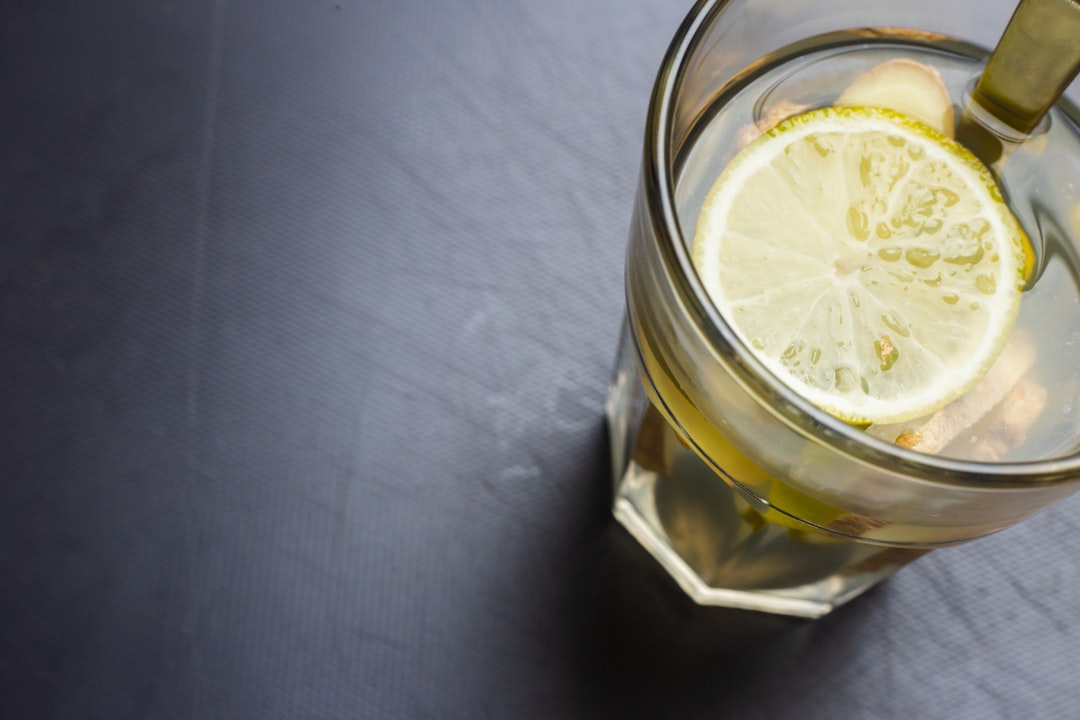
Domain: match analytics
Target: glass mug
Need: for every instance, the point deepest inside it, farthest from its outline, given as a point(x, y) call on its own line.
point(750, 496)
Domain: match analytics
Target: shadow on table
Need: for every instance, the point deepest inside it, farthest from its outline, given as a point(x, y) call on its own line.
point(638, 643)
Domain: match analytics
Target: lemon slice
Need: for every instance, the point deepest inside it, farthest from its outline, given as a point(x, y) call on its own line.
point(868, 261)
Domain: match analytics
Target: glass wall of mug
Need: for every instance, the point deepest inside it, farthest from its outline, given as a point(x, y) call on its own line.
point(746, 493)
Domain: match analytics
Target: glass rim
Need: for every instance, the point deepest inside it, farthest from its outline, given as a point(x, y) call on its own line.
point(659, 185)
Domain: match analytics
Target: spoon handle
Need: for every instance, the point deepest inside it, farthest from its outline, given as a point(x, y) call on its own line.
point(1036, 59)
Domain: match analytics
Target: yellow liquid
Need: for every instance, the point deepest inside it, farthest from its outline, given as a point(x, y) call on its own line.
point(725, 521)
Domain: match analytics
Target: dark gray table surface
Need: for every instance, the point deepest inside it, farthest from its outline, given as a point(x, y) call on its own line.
point(307, 310)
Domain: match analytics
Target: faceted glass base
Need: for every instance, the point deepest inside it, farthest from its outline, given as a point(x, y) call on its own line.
point(715, 540)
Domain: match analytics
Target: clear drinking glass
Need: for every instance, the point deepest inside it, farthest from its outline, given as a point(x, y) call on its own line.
point(747, 494)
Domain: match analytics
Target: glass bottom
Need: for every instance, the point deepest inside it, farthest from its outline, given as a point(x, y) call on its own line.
point(714, 539)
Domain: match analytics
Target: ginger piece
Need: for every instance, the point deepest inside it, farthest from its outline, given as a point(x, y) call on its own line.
point(855, 525)
point(893, 557)
point(906, 86)
point(932, 433)
point(777, 113)
point(1007, 426)
point(651, 449)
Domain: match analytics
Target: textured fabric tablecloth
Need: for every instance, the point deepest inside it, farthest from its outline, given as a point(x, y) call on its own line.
point(307, 310)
